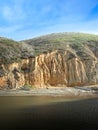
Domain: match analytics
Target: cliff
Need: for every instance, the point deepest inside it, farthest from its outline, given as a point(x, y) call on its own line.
point(53, 60)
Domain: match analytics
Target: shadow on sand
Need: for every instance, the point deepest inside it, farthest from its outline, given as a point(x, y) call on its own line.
point(80, 114)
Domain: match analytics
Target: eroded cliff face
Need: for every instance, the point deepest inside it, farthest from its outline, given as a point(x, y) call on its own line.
point(56, 68)
point(11, 76)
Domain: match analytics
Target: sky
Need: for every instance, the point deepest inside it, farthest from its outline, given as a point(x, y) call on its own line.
point(24, 19)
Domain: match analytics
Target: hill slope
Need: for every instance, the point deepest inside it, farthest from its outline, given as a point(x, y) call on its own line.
point(61, 41)
point(12, 51)
point(69, 59)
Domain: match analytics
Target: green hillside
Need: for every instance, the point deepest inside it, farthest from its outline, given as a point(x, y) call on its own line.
point(82, 44)
point(60, 41)
point(11, 51)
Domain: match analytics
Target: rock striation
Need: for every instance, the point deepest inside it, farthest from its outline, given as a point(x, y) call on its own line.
point(60, 67)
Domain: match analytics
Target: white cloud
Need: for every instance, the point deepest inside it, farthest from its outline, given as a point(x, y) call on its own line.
point(13, 13)
point(10, 31)
point(87, 27)
point(7, 13)
point(40, 18)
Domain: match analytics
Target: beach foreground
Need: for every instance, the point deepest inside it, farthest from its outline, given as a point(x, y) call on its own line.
point(51, 108)
point(52, 91)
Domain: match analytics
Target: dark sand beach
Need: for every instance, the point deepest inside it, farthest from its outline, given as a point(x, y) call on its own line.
point(61, 112)
point(48, 113)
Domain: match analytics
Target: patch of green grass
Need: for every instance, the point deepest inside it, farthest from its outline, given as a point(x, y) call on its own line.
point(11, 51)
point(59, 41)
point(28, 86)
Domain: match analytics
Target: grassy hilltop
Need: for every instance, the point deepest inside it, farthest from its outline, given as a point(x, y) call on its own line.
point(11, 51)
point(79, 42)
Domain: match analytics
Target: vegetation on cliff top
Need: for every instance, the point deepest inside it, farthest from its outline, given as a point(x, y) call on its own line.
point(11, 51)
point(60, 41)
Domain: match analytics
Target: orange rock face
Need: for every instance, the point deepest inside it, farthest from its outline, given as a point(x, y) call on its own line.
point(51, 69)
point(12, 78)
point(56, 69)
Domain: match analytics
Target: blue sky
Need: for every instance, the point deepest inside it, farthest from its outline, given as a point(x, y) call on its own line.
point(24, 19)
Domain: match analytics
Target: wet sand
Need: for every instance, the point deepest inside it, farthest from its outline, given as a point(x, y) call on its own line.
point(48, 113)
point(51, 91)
point(74, 109)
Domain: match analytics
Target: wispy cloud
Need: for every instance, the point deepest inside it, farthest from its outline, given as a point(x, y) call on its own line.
point(21, 19)
point(85, 27)
point(10, 31)
point(13, 12)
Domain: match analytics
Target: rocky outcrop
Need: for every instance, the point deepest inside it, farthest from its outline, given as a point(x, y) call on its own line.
point(63, 59)
point(63, 69)
point(12, 76)
point(57, 68)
